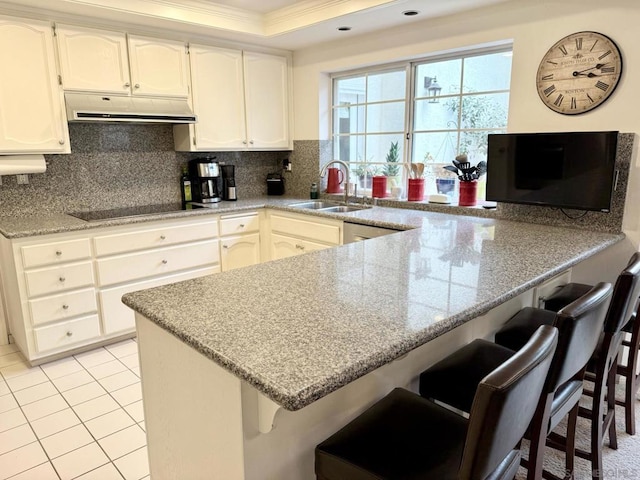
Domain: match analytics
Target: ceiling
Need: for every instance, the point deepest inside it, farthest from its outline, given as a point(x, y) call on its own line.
point(284, 24)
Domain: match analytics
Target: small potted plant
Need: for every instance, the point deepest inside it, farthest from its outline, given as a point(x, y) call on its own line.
point(392, 168)
point(468, 176)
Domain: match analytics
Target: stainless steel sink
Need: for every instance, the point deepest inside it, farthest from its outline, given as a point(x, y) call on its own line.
point(344, 208)
point(315, 205)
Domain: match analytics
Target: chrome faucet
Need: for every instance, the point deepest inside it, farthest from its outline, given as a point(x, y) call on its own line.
point(323, 172)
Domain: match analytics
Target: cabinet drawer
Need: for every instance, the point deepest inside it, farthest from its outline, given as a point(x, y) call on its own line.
point(59, 278)
point(117, 317)
point(302, 228)
point(57, 252)
point(60, 335)
point(64, 305)
point(158, 237)
point(133, 266)
point(239, 224)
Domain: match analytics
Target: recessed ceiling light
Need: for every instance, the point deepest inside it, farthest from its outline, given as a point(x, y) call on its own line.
point(344, 29)
point(410, 13)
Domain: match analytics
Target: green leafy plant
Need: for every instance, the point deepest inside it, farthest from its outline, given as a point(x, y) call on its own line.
point(464, 170)
point(392, 168)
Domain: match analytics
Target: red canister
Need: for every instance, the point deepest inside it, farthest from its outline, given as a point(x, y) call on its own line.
point(415, 192)
point(379, 187)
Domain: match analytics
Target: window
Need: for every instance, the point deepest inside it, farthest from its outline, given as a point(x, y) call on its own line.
point(426, 111)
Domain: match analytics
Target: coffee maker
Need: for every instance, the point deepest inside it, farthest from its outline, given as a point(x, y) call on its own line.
point(229, 182)
point(205, 174)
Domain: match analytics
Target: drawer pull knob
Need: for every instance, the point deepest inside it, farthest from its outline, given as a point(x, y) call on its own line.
point(299, 247)
point(58, 252)
point(242, 225)
point(225, 246)
point(164, 262)
point(62, 279)
point(127, 85)
point(162, 237)
point(69, 334)
point(137, 85)
point(65, 307)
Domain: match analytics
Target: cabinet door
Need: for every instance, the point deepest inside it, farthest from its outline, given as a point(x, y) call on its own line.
point(93, 60)
point(240, 251)
point(283, 246)
point(266, 79)
point(218, 98)
point(158, 67)
point(32, 115)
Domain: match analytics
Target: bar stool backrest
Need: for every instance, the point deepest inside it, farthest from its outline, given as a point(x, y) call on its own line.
point(624, 302)
point(579, 324)
point(504, 404)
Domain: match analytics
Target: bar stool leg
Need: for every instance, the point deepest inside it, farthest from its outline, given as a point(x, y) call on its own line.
point(596, 428)
point(570, 447)
point(611, 404)
point(539, 433)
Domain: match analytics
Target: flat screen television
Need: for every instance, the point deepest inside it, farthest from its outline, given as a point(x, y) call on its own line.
point(566, 170)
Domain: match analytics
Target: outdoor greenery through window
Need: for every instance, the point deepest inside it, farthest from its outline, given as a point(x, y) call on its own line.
point(426, 111)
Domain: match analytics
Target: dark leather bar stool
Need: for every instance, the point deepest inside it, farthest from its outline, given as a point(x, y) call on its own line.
point(406, 437)
point(579, 324)
point(601, 369)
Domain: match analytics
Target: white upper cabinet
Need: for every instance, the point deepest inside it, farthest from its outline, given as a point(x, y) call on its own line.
point(266, 100)
point(158, 67)
point(241, 100)
point(102, 61)
point(218, 98)
point(32, 115)
point(93, 60)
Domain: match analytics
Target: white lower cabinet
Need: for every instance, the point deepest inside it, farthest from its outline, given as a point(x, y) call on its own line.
point(295, 234)
point(63, 292)
point(240, 241)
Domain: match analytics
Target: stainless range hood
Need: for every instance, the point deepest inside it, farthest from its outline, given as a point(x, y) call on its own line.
point(83, 107)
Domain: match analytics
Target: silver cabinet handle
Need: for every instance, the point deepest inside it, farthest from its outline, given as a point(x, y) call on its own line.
point(62, 279)
point(69, 334)
point(162, 237)
point(58, 252)
point(251, 142)
point(127, 85)
point(65, 307)
point(164, 262)
point(61, 141)
point(299, 247)
point(244, 142)
point(225, 246)
point(242, 225)
point(137, 85)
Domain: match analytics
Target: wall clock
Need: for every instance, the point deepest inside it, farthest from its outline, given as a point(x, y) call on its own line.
point(579, 73)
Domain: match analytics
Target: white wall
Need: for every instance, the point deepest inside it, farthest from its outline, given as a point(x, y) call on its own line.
point(533, 26)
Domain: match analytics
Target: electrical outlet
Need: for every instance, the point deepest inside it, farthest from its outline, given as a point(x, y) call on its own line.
point(22, 179)
point(286, 165)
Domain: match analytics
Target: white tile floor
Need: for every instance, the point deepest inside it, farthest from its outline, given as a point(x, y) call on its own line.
point(79, 417)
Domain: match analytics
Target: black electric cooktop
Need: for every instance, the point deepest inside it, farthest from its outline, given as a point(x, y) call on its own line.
point(95, 215)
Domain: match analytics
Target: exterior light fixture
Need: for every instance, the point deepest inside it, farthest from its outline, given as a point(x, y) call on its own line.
point(433, 89)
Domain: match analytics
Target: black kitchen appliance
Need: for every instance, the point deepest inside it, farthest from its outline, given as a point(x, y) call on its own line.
point(205, 177)
point(275, 184)
point(229, 182)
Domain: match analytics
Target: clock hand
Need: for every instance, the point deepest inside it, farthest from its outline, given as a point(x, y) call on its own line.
point(590, 74)
point(598, 66)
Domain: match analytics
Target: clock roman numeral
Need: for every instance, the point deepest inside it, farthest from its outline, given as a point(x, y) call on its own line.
point(574, 105)
point(548, 77)
point(552, 63)
point(602, 86)
point(593, 46)
point(605, 54)
point(579, 43)
point(589, 97)
point(549, 90)
point(563, 49)
point(608, 69)
point(559, 100)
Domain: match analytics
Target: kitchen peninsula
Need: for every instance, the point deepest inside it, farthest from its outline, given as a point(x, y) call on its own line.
point(284, 353)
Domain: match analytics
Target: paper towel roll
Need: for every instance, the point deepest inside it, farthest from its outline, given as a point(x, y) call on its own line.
point(16, 164)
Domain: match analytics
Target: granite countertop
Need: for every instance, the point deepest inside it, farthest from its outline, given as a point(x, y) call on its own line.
point(354, 308)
